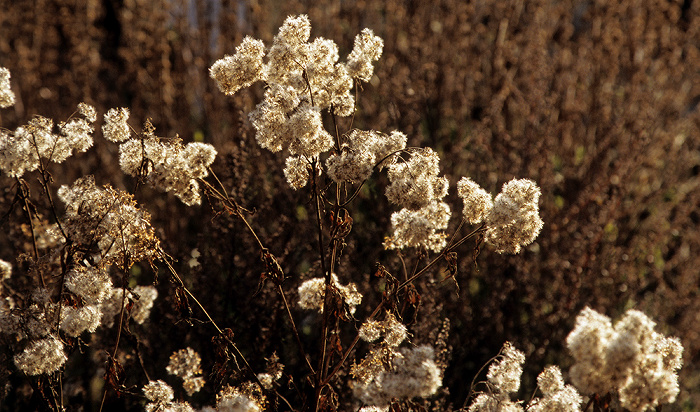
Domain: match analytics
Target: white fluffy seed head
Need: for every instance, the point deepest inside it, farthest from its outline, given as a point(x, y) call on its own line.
point(116, 128)
point(244, 68)
point(505, 373)
point(477, 201)
point(41, 356)
point(7, 97)
point(514, 219)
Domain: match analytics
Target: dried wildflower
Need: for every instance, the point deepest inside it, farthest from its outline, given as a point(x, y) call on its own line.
point(168, 165)
point(303, 78)
point(78, 132)
point(143, 298)
point(161, 395)
point(415, 183)
point(5, 270)
point(477, 201)
point(374, 409)
point(143, 302)
point(185, 364)
point(115, 128)
point(371, 330)
point(420, 228)
point(487, 402)
point(266, 380)
point(641, 364)
point(394, 332)
point(244, 68)
point(106, 224)
point(87, 111)
point(367, 49)
point(313, 291)
point(158, 391)
point(514, 220)
point(41, 356)
point(504, 374)
point(23, 150)
point(350, 166)
point(411, 373)
point(297, 171)
point(233, 400)
point(92, 284)
point(7, 97)
point(557, 396)
point(75, 321)
point(587, 343)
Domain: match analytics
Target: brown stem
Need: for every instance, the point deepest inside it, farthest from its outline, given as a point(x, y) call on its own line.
point(294, 328)
point(22, 191)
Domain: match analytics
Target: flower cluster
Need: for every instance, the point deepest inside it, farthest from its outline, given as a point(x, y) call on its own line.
point(140, 299)
point(41, 356)
point(303, 78)
point(23, 150)
point(7, 97)
point(504, 379)
point(106, 224)
point(416, 186)
point(558, 397)
point(514, 220)
point(185, 364)
point(166, 164)
point(232, 399)
point(161, 396)
point(477, 201)
point(394, 331)
point(312, 294)
point(361, 153)
point(630, 357)
point(410, 373)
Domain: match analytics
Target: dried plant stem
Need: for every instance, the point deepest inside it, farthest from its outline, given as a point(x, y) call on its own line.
point(181, 284)
point(294, 328)
point(23, 193)
point(441, 255)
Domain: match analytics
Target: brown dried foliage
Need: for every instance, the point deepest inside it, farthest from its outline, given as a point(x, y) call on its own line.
point(597, 101)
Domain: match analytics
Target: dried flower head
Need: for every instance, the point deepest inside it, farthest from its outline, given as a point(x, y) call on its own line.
point(297, 171)
point(185, 364)
point(394, 332)
point(7, 97)
point(168, 165)
point(75, 321)
point(477, 201)
point(92, 284)
point(244, 68)
point(5, 270)
point(106, 224)
point(312, 293)
point(415, 183)
point(514, 220)
point(23, 150)
point(367, 49)
point(557, 396)
point(412, 373)
point(303, 78)
point(232, 399)
point(641, 364)
point(504, 374)
point(41, 356)
point(116, 128)
point(420, 228)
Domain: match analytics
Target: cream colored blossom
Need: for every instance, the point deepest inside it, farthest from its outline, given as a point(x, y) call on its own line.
point(41, 356)
point(514, 219)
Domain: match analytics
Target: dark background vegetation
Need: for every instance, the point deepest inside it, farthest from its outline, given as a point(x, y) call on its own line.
point(597, 101)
